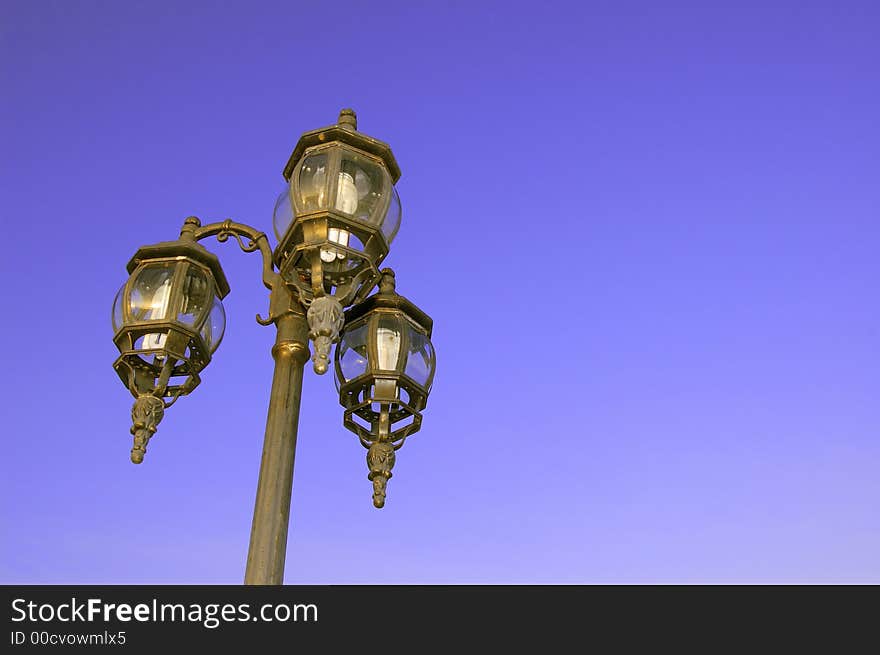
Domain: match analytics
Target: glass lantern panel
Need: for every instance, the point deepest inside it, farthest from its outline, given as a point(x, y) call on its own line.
point(198, 292)
point(420, 359)
point(362, 188)
point(151, 292)
point(117, 309)
point(351, 354)
point(214, 327)
point(391, 224)
point(309, 184)
point(282, 216)
point(388, 338)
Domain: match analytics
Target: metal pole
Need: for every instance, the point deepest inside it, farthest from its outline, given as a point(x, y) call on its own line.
point(268, 546)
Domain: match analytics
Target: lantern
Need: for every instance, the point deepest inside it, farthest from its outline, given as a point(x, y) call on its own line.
point(384, 368)
point(335, 222)
point(168, 319)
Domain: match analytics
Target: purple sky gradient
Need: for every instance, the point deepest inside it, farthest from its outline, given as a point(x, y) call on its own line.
point(647, 234)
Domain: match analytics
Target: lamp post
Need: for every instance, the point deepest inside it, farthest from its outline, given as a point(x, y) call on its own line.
point(335, 222)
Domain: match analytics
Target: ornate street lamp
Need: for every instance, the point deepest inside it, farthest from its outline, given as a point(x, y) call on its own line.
point(335, 222)
point(384, 370)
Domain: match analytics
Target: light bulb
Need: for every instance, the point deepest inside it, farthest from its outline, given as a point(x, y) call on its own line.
point(388, 345)
point(346, 202)
point(157, 311)
point(336, 235)
point(346, 194)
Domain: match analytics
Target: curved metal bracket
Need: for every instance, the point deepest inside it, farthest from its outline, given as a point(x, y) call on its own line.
point(249, 247)
point(256, 240)
point(250, 240)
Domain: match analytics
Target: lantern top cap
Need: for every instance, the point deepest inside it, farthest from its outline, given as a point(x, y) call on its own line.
point(387, 283)
point(183, 248)
point(344, 131)
point(347, 119)
point(388, 298)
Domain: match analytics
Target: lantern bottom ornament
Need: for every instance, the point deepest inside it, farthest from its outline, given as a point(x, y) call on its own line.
point(326, 318)
point(380, 459)
point(145, 416)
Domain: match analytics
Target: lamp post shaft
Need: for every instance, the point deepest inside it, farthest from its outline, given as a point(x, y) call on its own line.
point(268, 545)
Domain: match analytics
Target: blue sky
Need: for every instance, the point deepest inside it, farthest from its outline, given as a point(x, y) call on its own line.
point(647, 234)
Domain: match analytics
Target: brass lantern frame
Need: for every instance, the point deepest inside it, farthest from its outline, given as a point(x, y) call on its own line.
point(298, 254)
point(185, 351)
point(359, 394)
